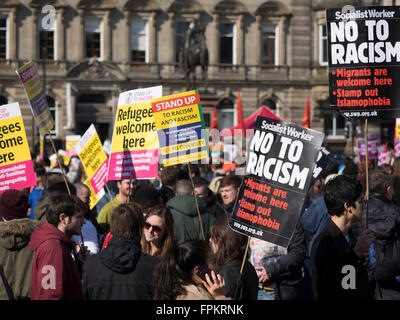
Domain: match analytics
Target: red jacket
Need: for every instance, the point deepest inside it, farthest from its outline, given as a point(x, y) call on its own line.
point(55, 274)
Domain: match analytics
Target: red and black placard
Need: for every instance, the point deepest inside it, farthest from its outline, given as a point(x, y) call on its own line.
point(364, 61)
point(280, 164)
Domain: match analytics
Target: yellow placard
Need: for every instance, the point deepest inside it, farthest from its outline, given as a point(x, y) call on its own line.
point(177, 117)
point(195, 156)
point(14, 146)
point(134, 128)
point(94, 198)
point(183, 146)
point(92, 155)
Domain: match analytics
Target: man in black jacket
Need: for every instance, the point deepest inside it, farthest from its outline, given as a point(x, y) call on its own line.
point(384, 221)
point(121, 271)
point(285, 272)
point(338, 271)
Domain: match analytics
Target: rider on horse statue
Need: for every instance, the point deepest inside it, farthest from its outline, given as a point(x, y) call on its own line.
point(194, 51)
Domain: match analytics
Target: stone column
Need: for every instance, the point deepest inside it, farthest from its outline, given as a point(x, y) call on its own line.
point(281, 44)
point(239, 40)
point(106, 36)
point(34, 34)
point(60, 54)
point(170, 50)
point(81, 36)
point(70, 107)
point(213, 40)
point(257, 44)
point(152, 25)
point(126, 45)
point(12, 34)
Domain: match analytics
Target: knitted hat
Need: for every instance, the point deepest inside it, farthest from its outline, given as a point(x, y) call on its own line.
point(13, 205)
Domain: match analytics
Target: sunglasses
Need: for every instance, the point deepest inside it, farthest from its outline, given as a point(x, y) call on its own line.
point(156, 229)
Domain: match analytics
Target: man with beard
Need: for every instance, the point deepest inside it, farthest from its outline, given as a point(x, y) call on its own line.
point(56, 264)
point(127, 188)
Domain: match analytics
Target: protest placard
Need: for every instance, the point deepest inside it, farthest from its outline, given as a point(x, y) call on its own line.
point(134, 147)
point(364, 61)
point(94, 197)
point(16, 168)
point(29, 77)
point(373, 143)
point(93, 158)
point(325, 159)
point(61, 154)
point(382, 157)
point(397, 147)
point(264, 253)
point(70, 142)
point(180, 123)
point(41, 148)
point(281, 160)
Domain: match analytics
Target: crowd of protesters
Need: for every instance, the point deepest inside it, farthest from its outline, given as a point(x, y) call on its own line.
point(169, 238)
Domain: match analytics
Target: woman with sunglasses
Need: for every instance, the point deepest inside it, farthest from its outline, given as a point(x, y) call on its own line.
point(158, 232)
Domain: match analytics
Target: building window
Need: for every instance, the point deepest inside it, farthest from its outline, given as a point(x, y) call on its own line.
point(225, 114)
point(323, 45)
point(51, 103)
point(139, 40)
point(269, 45)
point(180, 34)
point(271, 104)
point(3, 38)
point(46, 41)
point(334, 125)
point(93, 30)
point(226, 42)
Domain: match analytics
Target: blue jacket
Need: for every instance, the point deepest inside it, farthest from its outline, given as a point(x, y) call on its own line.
point(34, 196)
point(314, 219)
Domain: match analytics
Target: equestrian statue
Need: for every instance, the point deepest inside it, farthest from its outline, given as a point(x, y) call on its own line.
point(194, 53)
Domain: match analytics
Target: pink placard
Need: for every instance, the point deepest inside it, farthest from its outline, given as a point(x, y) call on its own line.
point(17, 176)
point(98, 180)
point(121, 165)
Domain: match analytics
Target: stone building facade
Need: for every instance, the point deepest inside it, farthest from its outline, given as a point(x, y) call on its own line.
point(272, 51)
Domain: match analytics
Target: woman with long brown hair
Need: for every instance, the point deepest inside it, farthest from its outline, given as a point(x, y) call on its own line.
point(229, 248)
point(158, 231)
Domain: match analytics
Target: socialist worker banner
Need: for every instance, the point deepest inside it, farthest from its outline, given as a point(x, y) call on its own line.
point(280, 165)
point(16, 168)
point(364, 61)
point(134, 147)
point(180, 123)
point(93, 158)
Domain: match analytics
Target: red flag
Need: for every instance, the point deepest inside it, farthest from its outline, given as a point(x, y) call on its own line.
point(214, 123)
point(306, 117)
point(240, 121)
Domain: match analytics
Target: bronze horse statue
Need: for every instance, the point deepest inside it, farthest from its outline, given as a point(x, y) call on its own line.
point(194, 53)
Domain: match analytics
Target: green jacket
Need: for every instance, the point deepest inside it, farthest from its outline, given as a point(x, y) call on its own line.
point(105, 213)
point(186, 219)
point(16, 257)
point(40, 209)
